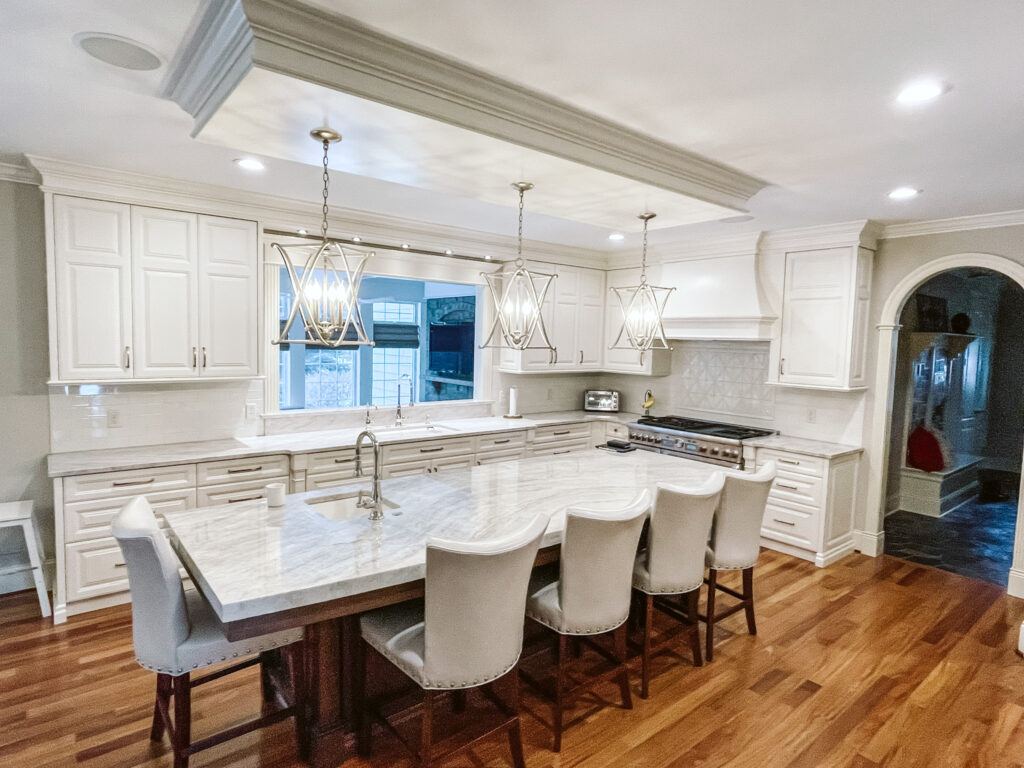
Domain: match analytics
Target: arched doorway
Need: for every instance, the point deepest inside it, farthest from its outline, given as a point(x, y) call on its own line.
point(885, 373)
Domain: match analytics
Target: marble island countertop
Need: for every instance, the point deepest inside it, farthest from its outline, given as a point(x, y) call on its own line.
point(141, 457)
point(250, 560)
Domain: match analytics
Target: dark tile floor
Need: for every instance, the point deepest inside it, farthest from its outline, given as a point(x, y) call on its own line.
point(974, 540)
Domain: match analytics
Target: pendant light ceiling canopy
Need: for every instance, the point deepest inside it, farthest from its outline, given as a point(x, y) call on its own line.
point(518, 298)
point(643, 309)
point(326, 288)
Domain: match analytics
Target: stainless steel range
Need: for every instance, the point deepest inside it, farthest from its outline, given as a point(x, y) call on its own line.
point(709, 441)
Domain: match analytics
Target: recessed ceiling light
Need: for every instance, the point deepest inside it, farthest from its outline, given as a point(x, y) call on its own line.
point(447, 251)
point(302, 232)
point(904, 193)
point(117, 51)
point(249, 163)
point(616, 236)
point(405, 246)
point(921, 91)
point(356, 239)
point(736, 219)
point(487, 257)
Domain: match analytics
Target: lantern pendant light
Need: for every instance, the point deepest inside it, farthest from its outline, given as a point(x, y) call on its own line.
point(643, 307)
point(518, 299)
point(326, 289)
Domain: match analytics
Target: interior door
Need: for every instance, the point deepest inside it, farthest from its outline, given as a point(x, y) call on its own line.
point(164, 264)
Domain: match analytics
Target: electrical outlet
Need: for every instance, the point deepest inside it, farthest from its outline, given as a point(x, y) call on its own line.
point(250, 411)
point(113, 419)
point(812, 415)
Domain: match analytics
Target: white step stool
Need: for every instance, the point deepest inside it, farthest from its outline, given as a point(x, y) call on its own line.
point(19, 514)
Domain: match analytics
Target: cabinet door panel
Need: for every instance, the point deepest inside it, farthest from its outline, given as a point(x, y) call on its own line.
point(228, 297)
point(92, 256)
point(164, 289)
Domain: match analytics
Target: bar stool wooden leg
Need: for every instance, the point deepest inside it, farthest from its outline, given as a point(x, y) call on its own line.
point(692, 600)
point(645, 669)
point(181, 734)
point(619, 638)
point(709, 640)
point(163, 696)
point(515, 734)
point(563, 643)
point(748, 598)
point(427, 732)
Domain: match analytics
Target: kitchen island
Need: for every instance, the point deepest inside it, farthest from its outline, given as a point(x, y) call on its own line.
point(264, 568)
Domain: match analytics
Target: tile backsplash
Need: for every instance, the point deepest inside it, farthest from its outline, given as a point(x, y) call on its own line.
point(88, 416)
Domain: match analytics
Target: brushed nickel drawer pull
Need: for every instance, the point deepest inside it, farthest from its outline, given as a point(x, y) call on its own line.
point(502, 442)
point(120, 565)
point(788, 461)
point(783, 522)
point(567, 450)
point(344, 461)
point(563, 432)
point(195, 358)
point(432, 450)
point(127, 483)
point(204, 357)
point(246, 498)
point(787, 487)
point(244, 469)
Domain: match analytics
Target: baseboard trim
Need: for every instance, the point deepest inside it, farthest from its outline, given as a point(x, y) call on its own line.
point(838, 552)
point(1015, 584)
point(869, 543)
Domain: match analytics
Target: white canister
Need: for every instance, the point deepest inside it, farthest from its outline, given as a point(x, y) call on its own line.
point(275, 494)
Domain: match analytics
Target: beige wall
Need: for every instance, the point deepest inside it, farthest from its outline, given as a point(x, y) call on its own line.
point(24, 415)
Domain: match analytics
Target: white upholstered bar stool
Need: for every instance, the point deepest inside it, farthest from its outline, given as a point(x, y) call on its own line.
point(736, 543)
point(175, 633)
point(467, 632)
point(589, 594)
point(672, 563)
point(18, 514)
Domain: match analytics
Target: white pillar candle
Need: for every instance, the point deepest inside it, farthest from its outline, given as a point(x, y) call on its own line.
point(513, 401)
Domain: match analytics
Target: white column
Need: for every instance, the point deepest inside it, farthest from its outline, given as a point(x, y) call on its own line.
point(1015, 586)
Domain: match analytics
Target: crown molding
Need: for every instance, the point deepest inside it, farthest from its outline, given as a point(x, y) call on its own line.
point(956, 224)
point(864, 233)
point(298, 41)
point(744, 244)
point(19, 174)
point(277, 212)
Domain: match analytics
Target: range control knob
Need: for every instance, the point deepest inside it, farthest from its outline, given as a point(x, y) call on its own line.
point(714, 451)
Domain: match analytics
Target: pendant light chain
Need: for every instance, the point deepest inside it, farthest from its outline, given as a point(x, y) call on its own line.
point(643, 257)
point(519, 245)
point(327, 181)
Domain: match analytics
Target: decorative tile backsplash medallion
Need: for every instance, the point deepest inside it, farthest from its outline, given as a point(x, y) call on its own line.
point(724, 378)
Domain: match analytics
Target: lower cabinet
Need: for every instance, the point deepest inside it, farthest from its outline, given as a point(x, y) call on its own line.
point(811, 505)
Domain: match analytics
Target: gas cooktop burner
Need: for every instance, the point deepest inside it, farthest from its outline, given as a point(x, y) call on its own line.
point(700, 427)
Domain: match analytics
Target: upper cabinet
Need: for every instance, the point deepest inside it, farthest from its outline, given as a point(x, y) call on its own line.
point(573, 313)
point(823, 332)
point(147, 293)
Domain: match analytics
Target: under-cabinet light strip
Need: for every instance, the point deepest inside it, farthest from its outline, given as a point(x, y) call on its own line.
point(365, 244)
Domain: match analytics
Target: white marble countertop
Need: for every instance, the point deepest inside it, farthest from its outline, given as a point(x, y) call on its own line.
point(111, 459)
point(819, 448)
point(250, 560)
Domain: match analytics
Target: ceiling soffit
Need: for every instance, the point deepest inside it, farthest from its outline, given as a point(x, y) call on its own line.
point(234, 36)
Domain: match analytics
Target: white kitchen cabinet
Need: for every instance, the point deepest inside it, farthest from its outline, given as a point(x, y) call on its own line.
point(228, 308)
point(810, 507)
point(92, 289)
point(573, 313)
point(164, 293)
point(148, 293)
point(823, 335)
point(654, 362)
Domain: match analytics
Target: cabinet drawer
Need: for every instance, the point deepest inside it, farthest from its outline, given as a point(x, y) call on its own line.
point(560, 448)
point(796, 524)
point(452, 462)
point(792, 462)
point(493, 457)
point(231, 493)
point(95, 568)
point(427, 450)
point(333, 461)
point(129, 482)
point(333, 479)
point(614, 430)
point(501, 441)
point(802, 489)
point(561, 433)
point(405, 470)
point(87, 520)
point(234, 470)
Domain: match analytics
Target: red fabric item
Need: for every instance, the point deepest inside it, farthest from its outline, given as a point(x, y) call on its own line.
point(924, 450)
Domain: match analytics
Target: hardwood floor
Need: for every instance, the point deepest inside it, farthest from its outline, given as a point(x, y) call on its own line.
point(869, 662)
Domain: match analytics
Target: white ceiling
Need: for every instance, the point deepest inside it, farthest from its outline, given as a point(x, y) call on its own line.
point(798, 92)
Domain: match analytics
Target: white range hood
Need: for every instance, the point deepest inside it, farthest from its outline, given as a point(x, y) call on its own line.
point(718, 295)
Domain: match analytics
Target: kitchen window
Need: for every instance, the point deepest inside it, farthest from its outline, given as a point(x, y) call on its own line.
point(424, 333)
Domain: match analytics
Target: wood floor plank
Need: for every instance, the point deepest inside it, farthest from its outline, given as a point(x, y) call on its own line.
point(867, 663)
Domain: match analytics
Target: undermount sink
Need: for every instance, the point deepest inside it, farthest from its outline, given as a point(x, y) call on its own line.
point(412, 430)
point(345, 506)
